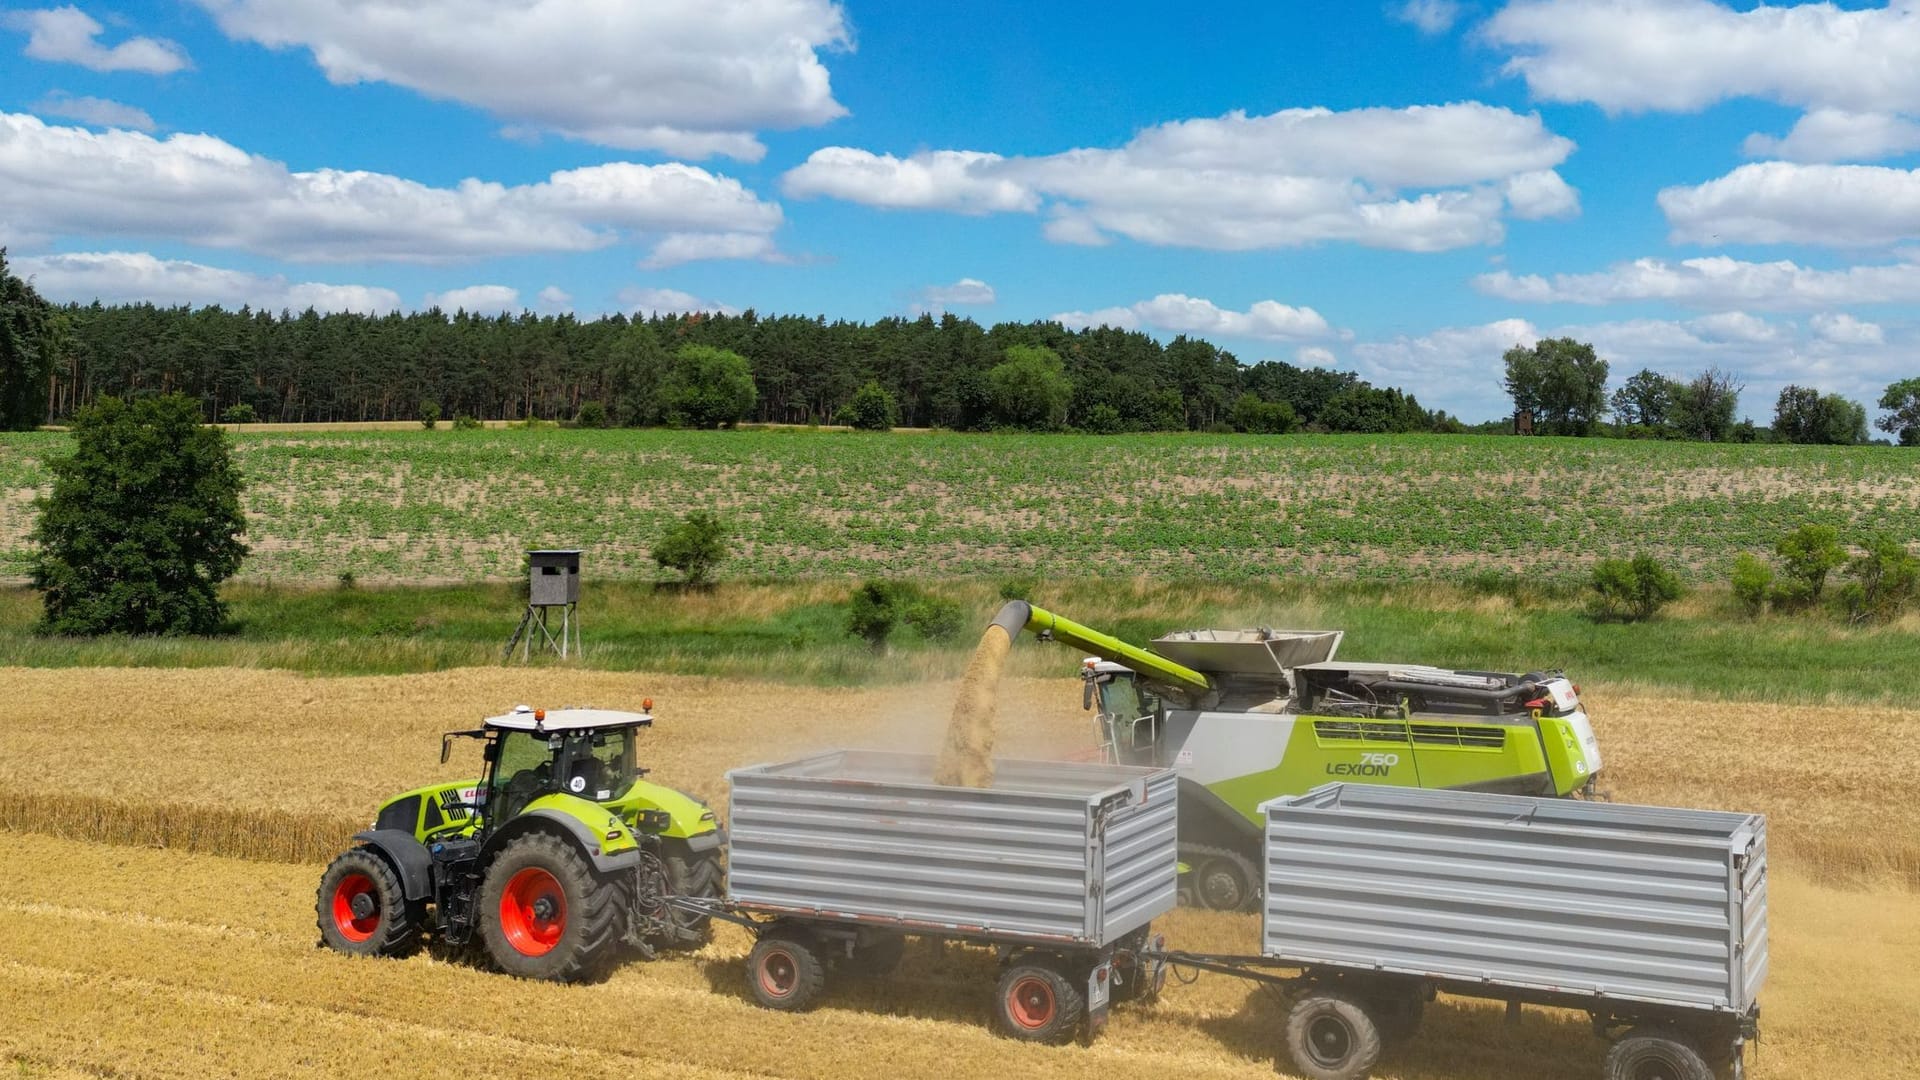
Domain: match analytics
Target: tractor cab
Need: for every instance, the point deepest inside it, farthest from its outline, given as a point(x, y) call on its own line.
point(530, 753)
point(1127, 715)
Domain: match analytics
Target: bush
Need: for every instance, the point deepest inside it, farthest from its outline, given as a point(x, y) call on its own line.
point(429, 414)
point(695, 547)
point(241, 413)
point(1253, 415)
point(142, 524)
point(872, 409)
point(1752, 582)
point(878, 608)
point(591, 414)
point(936, 618)
point(1885, 580)
point(1632, 589)
point(1807, 554)
point(463, 422)
point(705, 387)
point(1103, 419)
point(1019, 588)
point(871, 614)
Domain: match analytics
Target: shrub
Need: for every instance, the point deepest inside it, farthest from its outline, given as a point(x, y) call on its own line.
point(429, 414)
point(1807, 554)
point(463, 422)
point(695, 547)
point(1103, 419)
point(871, 614)
point(1253, 415)
point(142, 524)
point(935, 617)
point(1632, 589)
point(1752, 582)
point(1019, 588)
point(872, 409)
point(878, 608)
point(241, 413)
point(1884, 581)
point(705, 387)
point(591, 414)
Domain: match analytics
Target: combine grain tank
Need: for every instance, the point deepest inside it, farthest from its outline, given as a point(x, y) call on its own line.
point(1652, 920)
point(1059, 866)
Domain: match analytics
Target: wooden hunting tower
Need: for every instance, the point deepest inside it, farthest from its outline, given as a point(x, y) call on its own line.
point(553, 582)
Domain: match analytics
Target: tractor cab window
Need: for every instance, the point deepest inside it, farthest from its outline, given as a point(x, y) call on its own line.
point(1122, 698)
point(599, 765)
point(522, 772)
point(1133, 719)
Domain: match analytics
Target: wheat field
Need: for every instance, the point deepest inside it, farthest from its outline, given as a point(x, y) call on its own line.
point(162, 954)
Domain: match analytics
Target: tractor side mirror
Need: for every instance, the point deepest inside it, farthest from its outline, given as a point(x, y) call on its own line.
point(446, 748)
point(1086, 694)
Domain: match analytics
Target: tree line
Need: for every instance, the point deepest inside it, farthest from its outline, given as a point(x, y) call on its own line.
point(1559, 387)
point(693, 370)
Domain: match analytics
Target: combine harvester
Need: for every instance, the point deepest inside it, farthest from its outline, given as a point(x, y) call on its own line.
point(1244, 716)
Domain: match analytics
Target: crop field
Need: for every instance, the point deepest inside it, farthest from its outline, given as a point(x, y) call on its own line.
point(456, 506)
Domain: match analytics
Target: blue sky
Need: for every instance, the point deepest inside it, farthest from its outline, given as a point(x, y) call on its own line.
point(1400, 189)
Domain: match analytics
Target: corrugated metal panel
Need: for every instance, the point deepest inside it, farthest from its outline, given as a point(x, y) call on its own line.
point(1643, 903)
point(868, 835)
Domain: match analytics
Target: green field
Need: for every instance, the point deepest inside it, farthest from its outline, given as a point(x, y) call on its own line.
point(408, 506)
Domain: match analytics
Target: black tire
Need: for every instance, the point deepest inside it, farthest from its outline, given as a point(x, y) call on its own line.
point(362, 910)
point(1648, 1053)
point(1332, 1036)
point(697, 874)
point(1221, 879)
point(1036, 1002)
point(878, 956)
point(784, 970)
point(544, 914)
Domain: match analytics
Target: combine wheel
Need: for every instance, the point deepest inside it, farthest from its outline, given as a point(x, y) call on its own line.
point(1652, 1053)
point(1332, 1036)
point(544, 914)
point(1222, 879)
point(362, 909)
point(784, 971)
point(1034, 1002)
point(876, 957)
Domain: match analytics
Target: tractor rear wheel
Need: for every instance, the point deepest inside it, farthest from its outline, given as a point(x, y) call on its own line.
point(1037, 1002)
point(544, 913)
point(784, 970)
point(362, 909)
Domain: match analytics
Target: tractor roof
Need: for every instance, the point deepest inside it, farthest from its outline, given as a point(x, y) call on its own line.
point(546, 720)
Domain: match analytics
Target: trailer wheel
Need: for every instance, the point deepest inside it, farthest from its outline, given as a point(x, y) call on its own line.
point(363, 911)
point(1656, 1054)
point(876, 957)
point(784, 971)
point(1222, 879)
point(1332, 1036)
point(1035, 1002)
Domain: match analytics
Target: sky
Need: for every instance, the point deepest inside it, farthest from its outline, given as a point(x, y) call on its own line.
point(1402, 189)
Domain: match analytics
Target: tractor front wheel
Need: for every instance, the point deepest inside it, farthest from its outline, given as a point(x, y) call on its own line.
point(544, 913)
point(362, 909)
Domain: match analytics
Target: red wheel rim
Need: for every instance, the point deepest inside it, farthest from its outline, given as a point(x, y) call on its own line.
point(779, 974)
point(533, 912)
point(1030, 1002)
point(345, 891)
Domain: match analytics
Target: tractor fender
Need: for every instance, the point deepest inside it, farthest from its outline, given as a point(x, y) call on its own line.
point(568, 825)
point(706, 841)
point(1206, 818)
point(409, 858)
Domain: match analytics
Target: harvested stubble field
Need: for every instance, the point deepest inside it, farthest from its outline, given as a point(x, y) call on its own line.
point(456, 506)
point(131, 960)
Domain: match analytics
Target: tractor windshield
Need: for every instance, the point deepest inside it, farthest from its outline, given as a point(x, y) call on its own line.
point(522, 772)
point(599, 765)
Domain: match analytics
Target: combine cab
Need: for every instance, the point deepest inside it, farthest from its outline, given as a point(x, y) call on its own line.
point(1245, 716)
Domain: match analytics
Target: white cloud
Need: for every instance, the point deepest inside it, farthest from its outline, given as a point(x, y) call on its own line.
point(1778, 202)
point(1314, 356)
point(1717, 282)
point(1734, 326)
point(68, 35)
point(554, 300)
point(1843, 329)
point(646, 302)
point(98, 112)
point(1425, 178)
point(1177, 313)
point(1429, 16)
point(203, 190)
point(477, 300)
point(1456, 368)
point(134, 277)
point(1826, 135)
point(965, 291)
point(688, 77)
point(1684, 55)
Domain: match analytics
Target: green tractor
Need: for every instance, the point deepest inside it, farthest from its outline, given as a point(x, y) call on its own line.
point(557, 860)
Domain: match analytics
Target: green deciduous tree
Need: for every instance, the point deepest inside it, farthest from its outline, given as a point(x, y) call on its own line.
point(870, 409)
point(1703, 408)
point(1030, 388)
point(1884, 580)
point(705, 387)
point(1902, 402)
point(1645, 399)
point(142, 524)
point(1807, 555)
point(1803, 415)
point(1250, 414)
point(695, 546)
point(1632, 589)
point(1562, 382)
point(429, 414)
point(26, 352)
